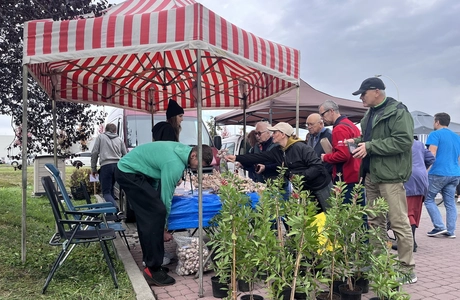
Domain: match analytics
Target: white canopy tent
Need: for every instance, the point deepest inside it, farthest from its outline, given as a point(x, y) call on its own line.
point(423, 123)
point(143, 52)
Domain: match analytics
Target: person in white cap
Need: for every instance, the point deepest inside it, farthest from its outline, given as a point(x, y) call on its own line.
point(299, 158)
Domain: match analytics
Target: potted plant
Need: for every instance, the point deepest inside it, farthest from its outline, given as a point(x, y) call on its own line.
point(349, 236)
point(288, 257)
point(231, 233)
point(77, 176)
point(385, 275)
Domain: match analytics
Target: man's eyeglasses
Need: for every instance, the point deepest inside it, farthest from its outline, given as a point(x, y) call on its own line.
point(363, 93)
point(323, 113)
point(259, 132)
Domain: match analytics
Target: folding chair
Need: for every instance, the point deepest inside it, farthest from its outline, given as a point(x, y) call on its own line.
point(112, 217)
point(56, 175)
point(116, 218)
point(71, 233)
point(93, 208)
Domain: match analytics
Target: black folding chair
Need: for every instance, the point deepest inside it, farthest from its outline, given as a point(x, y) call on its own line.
point(101, 208)
point(72, 232)
point(108, 217)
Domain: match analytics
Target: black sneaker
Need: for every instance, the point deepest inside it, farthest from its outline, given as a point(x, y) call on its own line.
point(436, 232)
point(158, 278)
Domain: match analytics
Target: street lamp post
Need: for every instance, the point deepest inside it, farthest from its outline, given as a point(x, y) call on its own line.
point(397, 90)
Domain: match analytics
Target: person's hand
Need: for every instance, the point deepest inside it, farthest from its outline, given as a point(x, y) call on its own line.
point(230, 158)
point(322, 156)
point(346, 141)
point(94, 174)
point(238, 165)
point(360, 151)
point(167, 236)
point(260, 168)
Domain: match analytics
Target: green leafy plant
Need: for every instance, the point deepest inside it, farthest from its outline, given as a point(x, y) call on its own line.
point(386, 275)
point(350, 251)
point(231, 233)
point(289, 257)
point(82, 174)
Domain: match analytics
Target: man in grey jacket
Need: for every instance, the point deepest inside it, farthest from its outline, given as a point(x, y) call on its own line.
point(109, 148)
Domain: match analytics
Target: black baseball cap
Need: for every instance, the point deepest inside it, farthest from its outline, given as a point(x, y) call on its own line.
point(373, 83)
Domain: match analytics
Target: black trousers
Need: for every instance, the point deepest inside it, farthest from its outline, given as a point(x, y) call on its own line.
point(150, 215)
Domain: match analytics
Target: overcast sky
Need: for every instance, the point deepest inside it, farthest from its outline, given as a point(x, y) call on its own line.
point(416, 43)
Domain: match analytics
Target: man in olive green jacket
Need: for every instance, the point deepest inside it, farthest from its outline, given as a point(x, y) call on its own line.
point(385, 149)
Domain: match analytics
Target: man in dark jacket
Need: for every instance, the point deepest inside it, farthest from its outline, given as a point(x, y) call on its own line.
point(294, 154)
point(385, 149)
point(264, 170)
point(316, 132)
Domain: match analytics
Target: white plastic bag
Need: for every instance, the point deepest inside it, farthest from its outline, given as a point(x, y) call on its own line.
point(188, 255)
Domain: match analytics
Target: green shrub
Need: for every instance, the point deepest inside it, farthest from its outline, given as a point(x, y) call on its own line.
point(82, 174)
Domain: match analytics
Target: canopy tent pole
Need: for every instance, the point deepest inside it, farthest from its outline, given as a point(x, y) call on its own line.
point(270, 114)
point(242, 88)
point(297, 114)
point(152, 109)
point(24, 162)
point(53, 109)
point(200, 170)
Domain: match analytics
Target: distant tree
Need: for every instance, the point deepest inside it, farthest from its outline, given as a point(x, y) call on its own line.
point(75, 122)
point(225, 133)
point(213, 130)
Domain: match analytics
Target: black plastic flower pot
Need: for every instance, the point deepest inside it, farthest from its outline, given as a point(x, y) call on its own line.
point(363, 283)
point(254, 297)
point(325, 296)
point(336, 284)
point(347, 294)
point(77, 193)
point(244, 286)
point(219, 290)
point(286, 295)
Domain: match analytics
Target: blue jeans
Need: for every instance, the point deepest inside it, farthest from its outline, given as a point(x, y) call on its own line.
point(446, 186)
point(107, 179)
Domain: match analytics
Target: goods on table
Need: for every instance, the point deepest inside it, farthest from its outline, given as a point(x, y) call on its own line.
point(215, 180)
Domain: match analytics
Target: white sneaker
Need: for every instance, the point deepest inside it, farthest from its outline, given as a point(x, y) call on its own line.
point(166, 261)
point(458, 199)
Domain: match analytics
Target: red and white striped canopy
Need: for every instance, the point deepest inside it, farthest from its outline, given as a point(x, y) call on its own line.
point(143, 52)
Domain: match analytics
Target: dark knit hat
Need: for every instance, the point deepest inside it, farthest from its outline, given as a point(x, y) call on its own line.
point(173, 109)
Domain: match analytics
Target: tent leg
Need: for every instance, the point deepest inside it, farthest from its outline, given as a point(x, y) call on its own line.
point(24, 162)
point(200, 171)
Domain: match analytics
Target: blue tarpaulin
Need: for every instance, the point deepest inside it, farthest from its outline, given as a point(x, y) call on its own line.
point(184, 209)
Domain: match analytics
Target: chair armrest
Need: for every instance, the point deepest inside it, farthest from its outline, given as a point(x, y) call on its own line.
point(81, 222)
point(83, 213)
point(101, 210)
point(94, 205)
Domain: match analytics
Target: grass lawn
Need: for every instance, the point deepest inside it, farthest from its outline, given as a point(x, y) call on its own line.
point(84, 275)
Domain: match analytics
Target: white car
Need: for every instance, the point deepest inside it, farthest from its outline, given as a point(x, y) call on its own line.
point(81, 159)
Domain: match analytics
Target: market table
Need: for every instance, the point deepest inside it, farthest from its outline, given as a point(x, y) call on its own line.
point(184, 209)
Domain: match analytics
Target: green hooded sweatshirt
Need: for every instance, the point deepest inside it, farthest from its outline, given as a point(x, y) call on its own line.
point(162, 160)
